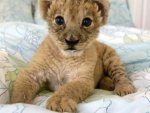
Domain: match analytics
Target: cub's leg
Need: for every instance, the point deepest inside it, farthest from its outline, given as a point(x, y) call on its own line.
point(106, 83)
point(65, 99)
point(25, 88)
point(116, 71)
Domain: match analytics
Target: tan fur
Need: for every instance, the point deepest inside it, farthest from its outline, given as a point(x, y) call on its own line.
point(72, 74)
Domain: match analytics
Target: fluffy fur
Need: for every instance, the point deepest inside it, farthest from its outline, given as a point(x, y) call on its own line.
point(72, 74)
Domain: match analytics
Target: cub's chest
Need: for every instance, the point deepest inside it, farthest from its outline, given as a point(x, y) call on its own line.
point(68, 67)
point(61, 71)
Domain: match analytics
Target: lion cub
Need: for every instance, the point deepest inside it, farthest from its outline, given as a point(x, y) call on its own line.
point(70, 61)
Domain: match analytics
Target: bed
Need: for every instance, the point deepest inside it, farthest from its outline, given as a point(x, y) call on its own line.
point(19, 40)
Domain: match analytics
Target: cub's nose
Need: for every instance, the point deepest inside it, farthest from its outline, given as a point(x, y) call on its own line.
point(71, 41)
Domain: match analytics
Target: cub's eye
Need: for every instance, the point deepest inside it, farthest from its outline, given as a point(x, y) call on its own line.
point(86, 22)
point(59, 20)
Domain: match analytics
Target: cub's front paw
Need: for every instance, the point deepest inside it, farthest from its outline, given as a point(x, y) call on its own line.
point(124, 89)
point(61, 104)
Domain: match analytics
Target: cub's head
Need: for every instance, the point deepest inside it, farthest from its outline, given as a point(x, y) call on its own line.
point(74, 24)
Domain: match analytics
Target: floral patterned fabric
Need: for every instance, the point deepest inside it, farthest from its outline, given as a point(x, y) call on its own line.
point(19, 41)
point(132, 45)
point(9, 68)
point(100, 102)
point(123, 35)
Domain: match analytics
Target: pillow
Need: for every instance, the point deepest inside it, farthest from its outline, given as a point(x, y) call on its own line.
point(37, 16)
point(119, 13)
point(135, 56)
point(16, 10)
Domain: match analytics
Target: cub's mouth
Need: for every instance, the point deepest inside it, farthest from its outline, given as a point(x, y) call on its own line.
point(71, 48)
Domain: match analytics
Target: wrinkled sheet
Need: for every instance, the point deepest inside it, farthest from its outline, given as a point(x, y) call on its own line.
point(132, 45)
point(100, 102)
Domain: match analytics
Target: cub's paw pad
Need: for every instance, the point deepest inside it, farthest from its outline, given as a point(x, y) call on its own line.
point(61, 104)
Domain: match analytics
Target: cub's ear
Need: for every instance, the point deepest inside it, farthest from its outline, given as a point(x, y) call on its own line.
point(103, 8)
point(44, 6)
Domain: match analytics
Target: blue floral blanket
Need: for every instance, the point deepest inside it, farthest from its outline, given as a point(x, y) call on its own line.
point(19, 41)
